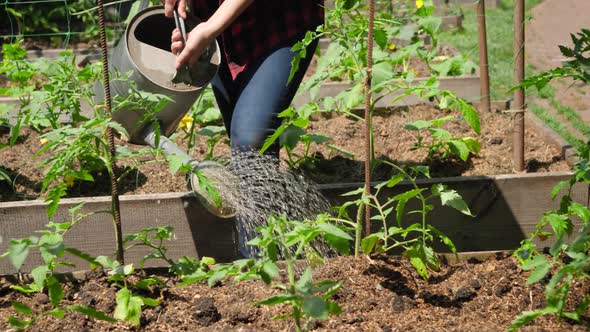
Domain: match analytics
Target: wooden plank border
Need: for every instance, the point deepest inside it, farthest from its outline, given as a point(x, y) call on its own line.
point(507, 208)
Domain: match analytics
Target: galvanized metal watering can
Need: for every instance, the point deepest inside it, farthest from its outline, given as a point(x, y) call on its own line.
point(144, 53)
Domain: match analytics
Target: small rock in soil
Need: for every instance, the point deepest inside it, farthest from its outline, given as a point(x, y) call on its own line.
point(475, 283)
point(496, 140)
point(205, 311)
point(463, 294)
point(42, 298)
point(401, 303)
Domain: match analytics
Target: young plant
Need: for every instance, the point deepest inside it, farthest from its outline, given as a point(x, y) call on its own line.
point(414, 238)
point(129, 302)
point(307, 299)
point(565, 264)
point(442, 141)
point(203, 120)
point(52, 248)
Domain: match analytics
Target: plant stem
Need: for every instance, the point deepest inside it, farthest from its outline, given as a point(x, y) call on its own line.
point(358, 231)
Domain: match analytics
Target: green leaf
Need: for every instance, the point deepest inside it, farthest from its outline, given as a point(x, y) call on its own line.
point(541, 268)
point(40, 275)
point(91, 312)
point(216, 277)
point(18, 251)
point(128, 307)
point(304, 283)
point(55, 291)
point(450, 197)
point(277, 299)
point(560, 224)
point(524, 318)
point(370, 241)
point(270, 268)
point(22, 308)
point(418, 125)
point(18, 324)
point(149, 301)
point(580, 211)
point(81, 255)
point(380, 36)
point(471, 116)
point(57, 313)
point(459, 148)
point(445, 239)
point(315, 307)
point(51, 247)
point(472, 144)
point(334, 230)
point(557, 189)
point(177, 163)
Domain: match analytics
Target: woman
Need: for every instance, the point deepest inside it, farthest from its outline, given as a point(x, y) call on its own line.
point(251, 86)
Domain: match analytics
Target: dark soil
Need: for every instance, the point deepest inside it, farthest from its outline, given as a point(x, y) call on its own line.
point(392, 142)
point(379, 294)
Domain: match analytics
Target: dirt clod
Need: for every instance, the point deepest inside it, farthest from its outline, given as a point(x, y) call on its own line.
point(464, 293)
point(41, 298)
point(205, 312)
point(475, 283)
point(502, 287)
point(402, 303)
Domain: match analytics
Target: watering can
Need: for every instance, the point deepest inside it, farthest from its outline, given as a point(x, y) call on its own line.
point(144, 53)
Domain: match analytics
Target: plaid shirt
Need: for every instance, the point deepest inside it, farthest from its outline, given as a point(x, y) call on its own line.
point(263, 26)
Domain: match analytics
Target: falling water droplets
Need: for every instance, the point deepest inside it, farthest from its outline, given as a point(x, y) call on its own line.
point(258, 186)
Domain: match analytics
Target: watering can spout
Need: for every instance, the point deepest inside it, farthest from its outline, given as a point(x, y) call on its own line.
point(211, 169)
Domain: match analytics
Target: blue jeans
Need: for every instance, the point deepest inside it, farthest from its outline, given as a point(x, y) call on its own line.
point(250, 104)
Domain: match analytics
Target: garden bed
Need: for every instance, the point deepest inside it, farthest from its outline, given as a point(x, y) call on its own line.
point(392, 142)
point(379, 294)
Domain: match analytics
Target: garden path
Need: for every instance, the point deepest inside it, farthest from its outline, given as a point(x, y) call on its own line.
point(553, 22)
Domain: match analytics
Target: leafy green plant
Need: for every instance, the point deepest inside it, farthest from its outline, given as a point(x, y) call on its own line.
point(441, 141)
point(306, 298)
point(392, 71)
point(414, 238)
point(129, 301)
point(52, 248)
point(565, 263)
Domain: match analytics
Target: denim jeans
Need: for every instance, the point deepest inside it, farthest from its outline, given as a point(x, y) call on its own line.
point(249, 104)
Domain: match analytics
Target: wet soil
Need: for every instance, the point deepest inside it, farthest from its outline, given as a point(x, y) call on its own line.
point(392, 142)
point(378, 294)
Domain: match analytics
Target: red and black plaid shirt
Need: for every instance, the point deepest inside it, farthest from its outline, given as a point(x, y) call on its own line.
point(263, 26)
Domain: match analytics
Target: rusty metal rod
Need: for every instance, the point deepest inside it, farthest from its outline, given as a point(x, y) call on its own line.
point(483, 57)
point(120, 256)
point(368, 140)
point(519, 101)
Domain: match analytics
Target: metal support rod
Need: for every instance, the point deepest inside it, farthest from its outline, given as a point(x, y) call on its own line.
point(368, 140)
point(519, 102)
point(120, 256)
point(483, 57)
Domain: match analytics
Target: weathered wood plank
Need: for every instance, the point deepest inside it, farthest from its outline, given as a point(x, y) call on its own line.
point(507, 208)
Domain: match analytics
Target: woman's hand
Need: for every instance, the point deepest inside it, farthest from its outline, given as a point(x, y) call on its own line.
point(197, 41)
point(169, 7)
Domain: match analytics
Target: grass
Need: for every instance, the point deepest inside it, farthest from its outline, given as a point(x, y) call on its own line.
point(499, 23)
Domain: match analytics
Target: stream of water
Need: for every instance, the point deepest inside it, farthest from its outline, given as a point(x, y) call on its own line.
point(257, 186)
